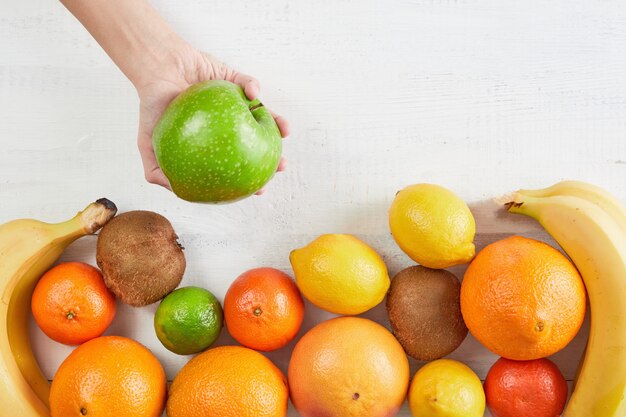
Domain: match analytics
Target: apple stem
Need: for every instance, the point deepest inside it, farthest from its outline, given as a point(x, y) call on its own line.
point(256, 106)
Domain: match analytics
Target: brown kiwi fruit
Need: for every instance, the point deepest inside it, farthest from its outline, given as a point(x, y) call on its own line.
point(425, 312)
point(140, 257)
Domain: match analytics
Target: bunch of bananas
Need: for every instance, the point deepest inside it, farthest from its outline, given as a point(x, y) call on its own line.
point(590, 225)
point(27, 249)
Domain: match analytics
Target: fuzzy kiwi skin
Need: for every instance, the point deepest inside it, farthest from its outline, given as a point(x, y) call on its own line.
point(425, 312)
point(140, 258)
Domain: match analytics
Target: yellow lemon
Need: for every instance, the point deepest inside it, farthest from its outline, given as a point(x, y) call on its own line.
point(341, 274)
point(446, 388)
point(433, 226)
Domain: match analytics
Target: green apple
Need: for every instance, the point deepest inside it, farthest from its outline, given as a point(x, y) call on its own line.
point(215, 145)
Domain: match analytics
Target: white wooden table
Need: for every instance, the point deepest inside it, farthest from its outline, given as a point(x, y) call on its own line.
point(482, 96)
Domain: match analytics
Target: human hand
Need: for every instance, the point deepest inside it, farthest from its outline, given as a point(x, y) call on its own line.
point(158, 62)
point(183, 67)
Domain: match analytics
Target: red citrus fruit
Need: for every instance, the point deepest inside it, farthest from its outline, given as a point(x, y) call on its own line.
point(525, 388)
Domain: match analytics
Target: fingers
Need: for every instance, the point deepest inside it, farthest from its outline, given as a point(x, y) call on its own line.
point(152, 172)
point(156, 176)
point(252, 88)
point(216, 69)
point(250, 85)
point(281, 165)
point(282, 123)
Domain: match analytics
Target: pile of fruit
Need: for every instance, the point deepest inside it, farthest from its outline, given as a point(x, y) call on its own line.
point(521, 298)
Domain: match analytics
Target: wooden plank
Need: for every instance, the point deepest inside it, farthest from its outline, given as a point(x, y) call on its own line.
point(481, 96)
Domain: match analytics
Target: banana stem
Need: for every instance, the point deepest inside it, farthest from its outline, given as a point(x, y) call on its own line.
point(95, 215)
point(513, 202)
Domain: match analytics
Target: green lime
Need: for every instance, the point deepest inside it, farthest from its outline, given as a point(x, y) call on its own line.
point(188, 320)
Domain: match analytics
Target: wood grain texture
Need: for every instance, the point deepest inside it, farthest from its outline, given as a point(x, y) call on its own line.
point(481, 96)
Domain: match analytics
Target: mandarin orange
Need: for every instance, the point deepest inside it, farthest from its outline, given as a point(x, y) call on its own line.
point(109, 376)
point(71, 303)
point(228, 381)
point(263, 309)
point(525, 388)
point(522, 299)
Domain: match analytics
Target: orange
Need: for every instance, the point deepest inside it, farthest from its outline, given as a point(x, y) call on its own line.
point(109, 376)
point(263, 309)
point(522, 299)
point(525, 388)
point(228, 381)
point(71, 303)
point(348, 367)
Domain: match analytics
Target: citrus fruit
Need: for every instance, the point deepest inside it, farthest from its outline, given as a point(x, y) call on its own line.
point(522, 299)
point(71, 303)
point(446, 388)
point(188, 320)
point(263, 309)
point(433, 226)
point(341, 274)
point(348, 367)
point(228, 381)
point(109, 376)
point(525, 388)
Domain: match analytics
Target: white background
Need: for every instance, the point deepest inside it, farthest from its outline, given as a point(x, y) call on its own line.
point(483, 97)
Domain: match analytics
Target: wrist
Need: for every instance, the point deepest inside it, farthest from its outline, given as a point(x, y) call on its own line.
point(162, 59)
point(133, 34)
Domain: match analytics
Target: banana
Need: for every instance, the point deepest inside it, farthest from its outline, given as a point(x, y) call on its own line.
point(27, 249)
point(590, 192)
point(590, 226)
point(594, 194)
